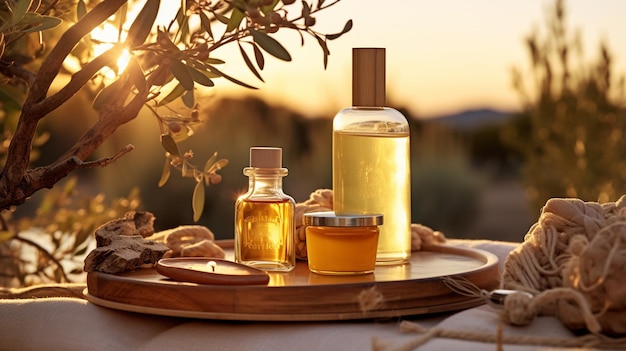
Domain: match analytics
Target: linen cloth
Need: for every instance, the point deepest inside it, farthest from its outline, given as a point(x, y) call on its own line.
point(75, 324)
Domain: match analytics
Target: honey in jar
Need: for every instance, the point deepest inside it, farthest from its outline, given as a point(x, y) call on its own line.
point(342, 244)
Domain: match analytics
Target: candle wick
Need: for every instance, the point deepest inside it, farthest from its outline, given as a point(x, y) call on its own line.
point(212, 264)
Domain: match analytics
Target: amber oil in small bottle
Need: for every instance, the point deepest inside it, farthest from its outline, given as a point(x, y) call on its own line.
point(264, 216)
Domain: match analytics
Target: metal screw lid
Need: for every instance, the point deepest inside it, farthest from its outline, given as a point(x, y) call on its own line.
point(330, 219)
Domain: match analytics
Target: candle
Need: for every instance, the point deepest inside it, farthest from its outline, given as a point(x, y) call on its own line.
point(210, 271)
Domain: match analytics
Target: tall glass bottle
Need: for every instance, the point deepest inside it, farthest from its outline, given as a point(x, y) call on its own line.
point(264, 216)
point(371, 158)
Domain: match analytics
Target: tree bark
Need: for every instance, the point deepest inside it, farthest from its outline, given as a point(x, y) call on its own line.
point(17, 181)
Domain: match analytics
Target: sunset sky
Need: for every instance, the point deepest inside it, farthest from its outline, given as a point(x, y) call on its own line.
point(443, 56)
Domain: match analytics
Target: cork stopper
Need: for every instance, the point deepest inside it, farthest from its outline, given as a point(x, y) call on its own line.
point(368, 77)
point(266, 157)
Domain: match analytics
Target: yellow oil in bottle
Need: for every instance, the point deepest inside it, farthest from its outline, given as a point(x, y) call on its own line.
point(371, 174)
point(264, 233)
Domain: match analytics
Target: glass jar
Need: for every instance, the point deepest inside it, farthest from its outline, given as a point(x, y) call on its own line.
point(341, 244)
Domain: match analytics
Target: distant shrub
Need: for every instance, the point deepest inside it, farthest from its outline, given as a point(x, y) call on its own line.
point(571, 131)
point(446, 189)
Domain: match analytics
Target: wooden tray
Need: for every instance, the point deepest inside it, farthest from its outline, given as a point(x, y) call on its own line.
point(414, 288)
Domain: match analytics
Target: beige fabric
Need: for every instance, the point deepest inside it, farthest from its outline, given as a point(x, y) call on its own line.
point(74, 324)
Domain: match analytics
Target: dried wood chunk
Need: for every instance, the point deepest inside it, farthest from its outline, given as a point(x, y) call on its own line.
point(190, 241)
point(121, 245)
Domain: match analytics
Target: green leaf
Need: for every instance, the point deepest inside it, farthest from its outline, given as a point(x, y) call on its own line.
point(173, 95)
point(324, 47)
point(204, 69)
point(81, 9)
point(35, 22)
point(210, 161)
point(20, 9)
point(270, 45)
point(165, 174)
point(183, 30)
point(181, 72)
point(258, 56)
point(306, 9)
point(248, 62)
point(121, 19)
point(169, 144)
point(141, 27)
point(235, 19)
point(197, 201)
point(268, 8)
point(188, 98)
point(221, 17)
point(200, 78)
point(346, 28)
point(206, 23)
point(136, 74)
point(218, 165)
point(107, 94)
point(236, 81)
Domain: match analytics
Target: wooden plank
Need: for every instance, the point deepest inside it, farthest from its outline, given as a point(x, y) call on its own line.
point(413, 288)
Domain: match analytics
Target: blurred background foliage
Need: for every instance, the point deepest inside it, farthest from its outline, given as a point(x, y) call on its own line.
point(473, 175)
point(571, 131)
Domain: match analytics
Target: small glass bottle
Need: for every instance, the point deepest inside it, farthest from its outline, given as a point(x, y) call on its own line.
point(264, 216)
point(371, 158)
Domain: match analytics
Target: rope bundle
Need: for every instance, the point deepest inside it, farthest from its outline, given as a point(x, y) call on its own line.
point(322, 200)
point(574, 261)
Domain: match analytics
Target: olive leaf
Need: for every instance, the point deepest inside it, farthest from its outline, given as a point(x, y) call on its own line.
point(248, 62)
point(270, 45)
point(188, 98)
point(197, 201)
point(169, 144)
point(346, 28)
point(136, 74)
point(209, 163)
point(35, 22)
point(173, 95)
point(20, 9)
point(106, 95)
point(165, 174)
point(324, 47)
point(181, 72)
point(120, 18)
point(258, 56)
point(81, 9)
point(206, 24)
point(141, 27)
point(200, 77)
point(235, 19)
point(234, 80)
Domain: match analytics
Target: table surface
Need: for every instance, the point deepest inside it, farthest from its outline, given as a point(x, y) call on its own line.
point(76, 324)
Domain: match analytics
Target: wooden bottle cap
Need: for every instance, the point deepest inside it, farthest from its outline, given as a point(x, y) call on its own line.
point(266, 157)
point(368, 77)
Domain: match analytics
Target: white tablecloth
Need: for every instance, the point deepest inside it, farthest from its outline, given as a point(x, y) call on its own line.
point(75, 324)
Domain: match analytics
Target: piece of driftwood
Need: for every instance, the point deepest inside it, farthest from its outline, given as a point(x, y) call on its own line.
point(121, 245)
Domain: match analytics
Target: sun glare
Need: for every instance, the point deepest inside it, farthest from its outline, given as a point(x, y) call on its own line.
point(105, 37)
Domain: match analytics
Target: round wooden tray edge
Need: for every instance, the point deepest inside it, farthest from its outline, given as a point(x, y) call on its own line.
point(485, 275)
point(290, 317)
